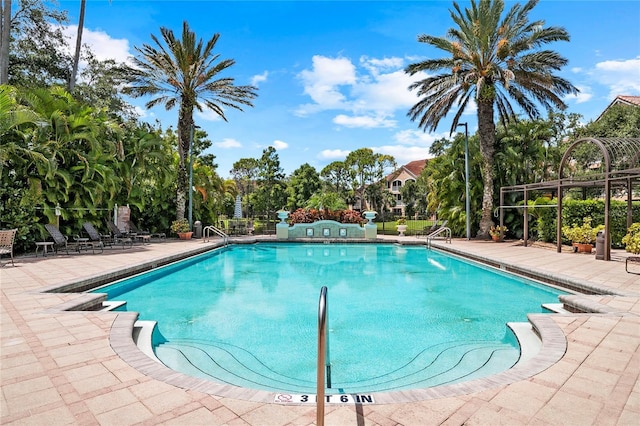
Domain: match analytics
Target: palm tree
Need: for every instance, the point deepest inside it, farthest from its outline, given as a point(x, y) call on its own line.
point(494, 61)
point(76, 55)
point(186, 73)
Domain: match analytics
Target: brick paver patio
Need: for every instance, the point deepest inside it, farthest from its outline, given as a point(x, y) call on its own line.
point(60, 367)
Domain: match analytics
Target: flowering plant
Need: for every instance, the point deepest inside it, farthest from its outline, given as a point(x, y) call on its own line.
point(179, 226)
point(401, 221)
point(496, 231)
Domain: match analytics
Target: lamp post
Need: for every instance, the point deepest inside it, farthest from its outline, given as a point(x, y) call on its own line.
point(190, 217)
point(466, 177)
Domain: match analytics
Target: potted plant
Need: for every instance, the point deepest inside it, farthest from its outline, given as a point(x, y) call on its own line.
point(632, 239)
point(497, 232)
point(582, 236)
point(401, 225)
point(181, 227)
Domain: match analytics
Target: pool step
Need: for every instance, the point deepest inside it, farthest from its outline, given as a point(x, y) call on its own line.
point(437, 365)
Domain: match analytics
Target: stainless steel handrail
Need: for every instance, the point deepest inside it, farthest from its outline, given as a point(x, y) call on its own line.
point(324, 362)
point(437, 234)
point(220, 233)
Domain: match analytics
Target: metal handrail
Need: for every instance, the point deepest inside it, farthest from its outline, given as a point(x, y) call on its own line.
point(217, 231)
point(324, 362)
point(436, 234)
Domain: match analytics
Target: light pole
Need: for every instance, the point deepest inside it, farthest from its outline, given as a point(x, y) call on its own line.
point(466, 177)
point(190, 217)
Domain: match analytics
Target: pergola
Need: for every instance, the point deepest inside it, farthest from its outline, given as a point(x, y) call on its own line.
point(608, 163)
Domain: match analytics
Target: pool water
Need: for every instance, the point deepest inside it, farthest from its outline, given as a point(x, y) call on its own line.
point(399, 317)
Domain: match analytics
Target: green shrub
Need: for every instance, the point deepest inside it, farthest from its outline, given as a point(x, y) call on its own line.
point(632, 239)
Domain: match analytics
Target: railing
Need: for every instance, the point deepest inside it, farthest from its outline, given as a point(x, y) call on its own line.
point(208, 229)
point(443, 233)
point(323, 356)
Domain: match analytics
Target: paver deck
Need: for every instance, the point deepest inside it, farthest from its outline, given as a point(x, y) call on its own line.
point(61, 367)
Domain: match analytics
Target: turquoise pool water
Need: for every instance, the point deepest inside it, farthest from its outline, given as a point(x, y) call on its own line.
point(399, 316)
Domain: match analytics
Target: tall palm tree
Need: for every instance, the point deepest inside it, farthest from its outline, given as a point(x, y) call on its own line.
point(494, 61)
point(186, 73)
point(76, 56)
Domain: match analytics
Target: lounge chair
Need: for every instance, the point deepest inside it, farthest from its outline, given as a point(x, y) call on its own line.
point(134, 229)
point(119, 236)
point(7, 238)
point(95, 236)
point(61, 241)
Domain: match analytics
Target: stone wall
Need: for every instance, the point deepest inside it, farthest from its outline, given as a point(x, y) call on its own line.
point(325, 229)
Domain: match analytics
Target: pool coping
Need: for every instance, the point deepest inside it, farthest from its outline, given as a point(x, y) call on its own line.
point(553, 341)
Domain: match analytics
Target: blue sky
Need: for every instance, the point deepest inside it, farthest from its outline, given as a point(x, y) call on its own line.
point(330, 74)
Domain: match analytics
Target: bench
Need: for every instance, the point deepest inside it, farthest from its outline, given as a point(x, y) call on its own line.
point(633, 259)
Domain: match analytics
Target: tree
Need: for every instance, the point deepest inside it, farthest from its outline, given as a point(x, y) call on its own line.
point(186, 72)
point(303, 183)
point(245, 173)
point(368, 168)
point(76, 55)
point(37, 47)
point(618, 121)
point(271, 189)
point(5, 37)
point(338, 177)
point(493, 62)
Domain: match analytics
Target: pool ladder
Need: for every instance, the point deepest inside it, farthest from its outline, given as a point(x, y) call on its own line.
point(212, 229)
point(324, 362)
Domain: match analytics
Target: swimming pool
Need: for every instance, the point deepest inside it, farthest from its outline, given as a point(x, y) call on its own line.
point(400, 317)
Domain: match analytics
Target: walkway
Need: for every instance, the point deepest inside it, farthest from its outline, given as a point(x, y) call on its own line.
point(60, 367)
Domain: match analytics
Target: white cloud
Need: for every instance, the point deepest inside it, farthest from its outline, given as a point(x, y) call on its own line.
point(277, 144)
point(376, 65)
point(322, 83)
point(228, 143)
point(257, 79)
point(404, 154)
point(142, 112)
point(621, 76)
point(418, 138)
point(583, 96)
point(369, 122)
point(208, 115)
point(333, 154)
point(101, 43)
point(385, 94)
point(371, 93)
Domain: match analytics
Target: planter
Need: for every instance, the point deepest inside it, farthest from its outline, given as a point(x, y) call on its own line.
point(370, 215)
point(497, 238)
point(283, 215)
point(582, 247)
point(185, 235)
point(402, 229)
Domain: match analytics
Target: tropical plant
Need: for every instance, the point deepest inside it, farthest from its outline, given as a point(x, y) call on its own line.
point(326, 200)
point(186, 72)
point(493, 62)
point(632, 239)
point(401, 221)
point(582, 234)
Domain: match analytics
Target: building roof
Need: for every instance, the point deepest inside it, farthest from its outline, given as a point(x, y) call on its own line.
point(621, 100)
point(414, 168)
